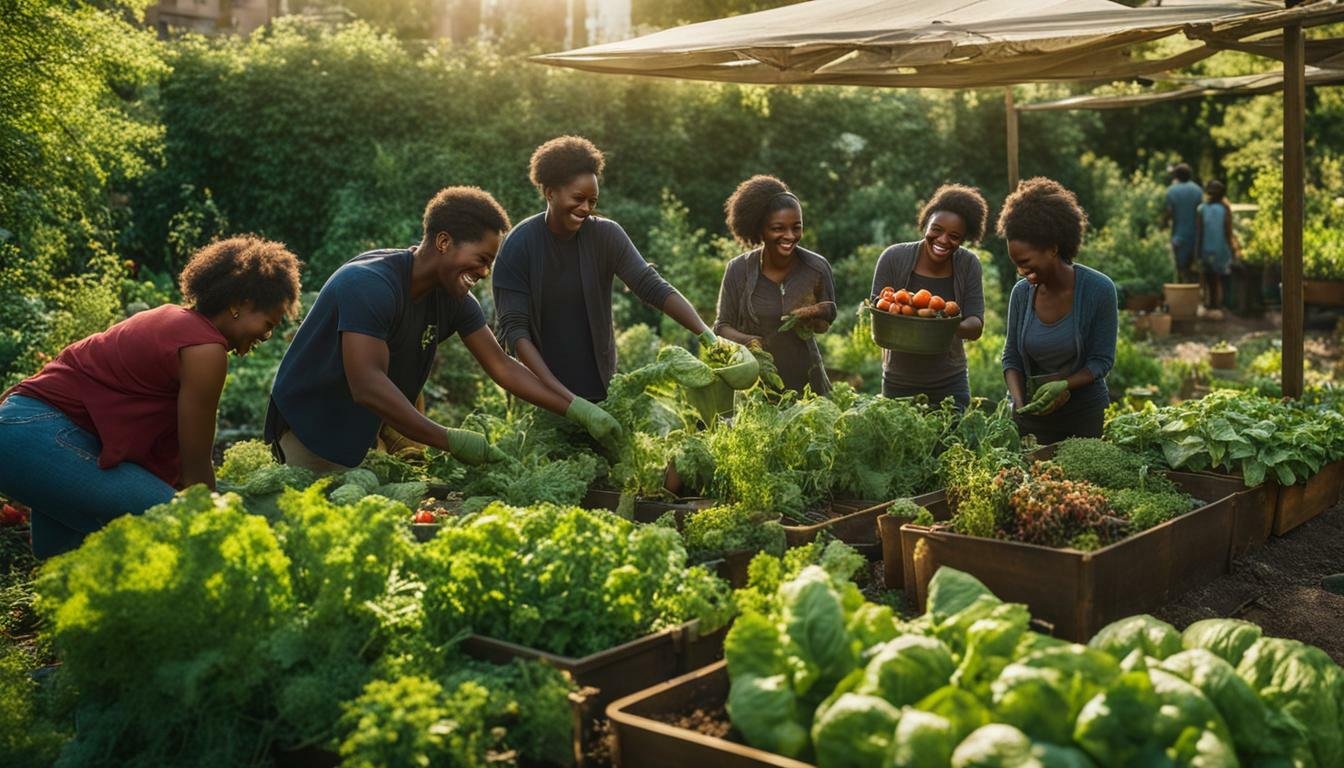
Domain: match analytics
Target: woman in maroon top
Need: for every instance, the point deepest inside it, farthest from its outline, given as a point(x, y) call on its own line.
point(121, 419)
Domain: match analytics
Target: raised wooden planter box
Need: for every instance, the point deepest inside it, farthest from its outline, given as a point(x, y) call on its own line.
point(1301, 502)
point(608, 675)
point(643, 741)
point(1328, 293)
point(1253, 520)
point(1076, 592)
point(855, 523)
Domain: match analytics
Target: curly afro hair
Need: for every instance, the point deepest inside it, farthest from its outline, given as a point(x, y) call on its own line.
point(465, 213)
point(1042, 212)
point(964, 201)
point(559, 160)
point(752, 203)
point(229, 272)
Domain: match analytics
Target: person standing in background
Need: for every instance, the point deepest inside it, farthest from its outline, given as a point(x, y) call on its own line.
point(1182, 201)
point(1215, 242)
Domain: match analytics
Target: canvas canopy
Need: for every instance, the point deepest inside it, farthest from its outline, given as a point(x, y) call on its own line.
point(947, 43)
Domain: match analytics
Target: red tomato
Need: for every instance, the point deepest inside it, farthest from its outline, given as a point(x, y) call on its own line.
point(884, 304)
point(952, 310)
point(12, 515)
point(921, 299)
point(424, 516)
point(902, 296)
point(936, 303)
point(906, 309)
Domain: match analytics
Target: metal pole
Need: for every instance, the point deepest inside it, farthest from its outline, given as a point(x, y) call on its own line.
point(1010, 110)
point(1294, 192)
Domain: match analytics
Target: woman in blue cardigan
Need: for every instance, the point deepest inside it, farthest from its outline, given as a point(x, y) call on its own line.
point(1061, 317)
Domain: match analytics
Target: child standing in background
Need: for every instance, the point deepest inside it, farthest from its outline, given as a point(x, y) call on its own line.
point(1215, 242)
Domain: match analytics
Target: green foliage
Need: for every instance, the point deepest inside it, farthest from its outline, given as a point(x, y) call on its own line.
point(1236, 432)
point(1126, 240)
point(244, 458)
point(593, 580)
point(414, 721)
point(158, 682)
point(29, 737)
point(729, 528)
point(75, 124)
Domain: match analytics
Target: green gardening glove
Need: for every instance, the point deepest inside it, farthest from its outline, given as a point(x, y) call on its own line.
point(472, 448)
point(600, 424)
point(1048, 396)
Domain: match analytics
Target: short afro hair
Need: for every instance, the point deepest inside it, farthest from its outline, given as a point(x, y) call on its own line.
point(1042, 212)
point(964, 201)
point(1216, 190)
point(752, 203)
point(240, 269)
point(465, 213)
point(558, 161)
point(1181, 171)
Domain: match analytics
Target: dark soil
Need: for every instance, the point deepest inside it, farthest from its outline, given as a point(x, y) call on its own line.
point(710, 722)
point(1279, 587)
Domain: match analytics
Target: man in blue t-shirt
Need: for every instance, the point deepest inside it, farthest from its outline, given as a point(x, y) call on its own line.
point(365, 349)
point(1183, 198)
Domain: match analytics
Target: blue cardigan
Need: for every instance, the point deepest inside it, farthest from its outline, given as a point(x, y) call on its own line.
point(1097, 312)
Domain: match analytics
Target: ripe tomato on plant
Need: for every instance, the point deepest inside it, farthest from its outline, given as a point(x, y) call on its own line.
point(424, 516)
point(11, 514)
point(921, 299)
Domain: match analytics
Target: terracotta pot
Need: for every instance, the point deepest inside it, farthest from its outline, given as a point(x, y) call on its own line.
point(1159, 324)
point(1223, 359)
point(1182, 299)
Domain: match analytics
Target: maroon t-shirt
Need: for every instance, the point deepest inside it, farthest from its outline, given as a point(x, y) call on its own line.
point(122, 386)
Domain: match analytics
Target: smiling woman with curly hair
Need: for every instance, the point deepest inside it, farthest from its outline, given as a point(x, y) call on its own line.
point(552, 283)
point(937, 262)
point(119, 419)
point(779, 294)
point(1061, 318)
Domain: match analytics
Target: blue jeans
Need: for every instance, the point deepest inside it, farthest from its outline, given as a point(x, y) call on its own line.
point(50, 464)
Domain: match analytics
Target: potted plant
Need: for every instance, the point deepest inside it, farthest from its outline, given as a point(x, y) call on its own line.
point(1223, 356)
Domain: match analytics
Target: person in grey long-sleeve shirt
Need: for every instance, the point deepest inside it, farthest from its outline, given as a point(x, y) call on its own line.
point(939, 264)
point(552, 280)
point(1062, 318)
point(777, 284)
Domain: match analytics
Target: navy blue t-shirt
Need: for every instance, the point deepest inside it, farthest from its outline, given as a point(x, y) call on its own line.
point(370, 294)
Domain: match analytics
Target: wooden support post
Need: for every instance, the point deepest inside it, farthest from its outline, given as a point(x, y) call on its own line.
point(1294, 191)
point(1010, 110)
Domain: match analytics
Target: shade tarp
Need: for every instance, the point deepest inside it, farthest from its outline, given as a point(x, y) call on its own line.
point(942, 43)
point(1177, 89)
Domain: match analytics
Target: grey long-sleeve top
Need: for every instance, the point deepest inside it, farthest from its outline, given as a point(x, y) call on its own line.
point(752, 304)
point(605, 251)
